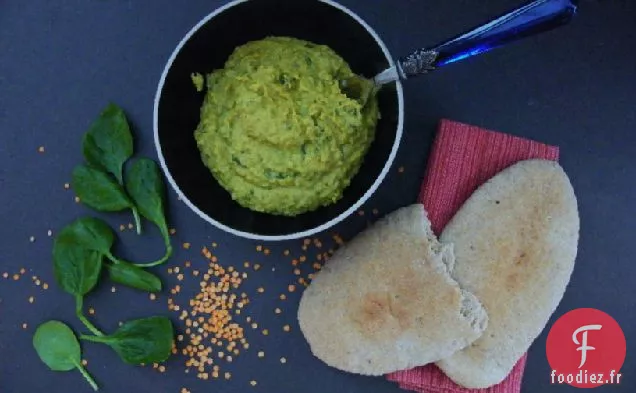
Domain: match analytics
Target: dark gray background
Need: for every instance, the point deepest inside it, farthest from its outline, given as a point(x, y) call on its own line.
point(60, 62)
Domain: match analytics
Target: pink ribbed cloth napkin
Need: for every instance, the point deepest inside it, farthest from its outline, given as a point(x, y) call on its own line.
point(462, 158)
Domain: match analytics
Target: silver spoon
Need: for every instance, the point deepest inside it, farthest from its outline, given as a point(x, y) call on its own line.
point(530, 19)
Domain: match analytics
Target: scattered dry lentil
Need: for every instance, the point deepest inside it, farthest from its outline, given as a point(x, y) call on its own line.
point(283, 360)
point(31, 299)
point(77, 199)
point(361, 213)
point(84, 362)
point(286, 328)
point(16, 277)
point(152, 296)
point(265, 332)
point(45, 286)
point(209, 318)
point(291, 288)
point(261, 354)
point(260, 290)
point(186, 246)
point(172, 231)
point(32, 239)
point(5, 275)
point(257, 266)
point(253, 383)
point(277, 310)
point(67, 186)
point(259, 248)
point(41, 149)
point(91, 311)
point(24, 325)
point(283, 296)
point(401, 169)
point(286, 252)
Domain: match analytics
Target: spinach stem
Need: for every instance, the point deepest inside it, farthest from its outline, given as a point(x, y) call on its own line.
point(87, 376)
point(137, 219)
point(113, 258)
point(79, 305)
point(95, 339)
point(159, 261)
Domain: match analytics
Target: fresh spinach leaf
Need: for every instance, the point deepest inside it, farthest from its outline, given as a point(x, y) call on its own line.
point(76, 268)
point(101, 192)
point(147, 340)
point(133, 276)
point(89, 233)
point(108, 143)
point(57, 346)
point(145, 186)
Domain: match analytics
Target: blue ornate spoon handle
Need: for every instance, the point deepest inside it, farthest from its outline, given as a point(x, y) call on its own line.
point(533, 18)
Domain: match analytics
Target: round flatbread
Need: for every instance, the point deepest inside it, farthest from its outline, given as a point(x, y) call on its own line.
point(386, 302)
point(515, 242)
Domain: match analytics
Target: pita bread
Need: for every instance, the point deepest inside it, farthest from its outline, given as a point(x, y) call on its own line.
point(515, 243)
point(386, 302)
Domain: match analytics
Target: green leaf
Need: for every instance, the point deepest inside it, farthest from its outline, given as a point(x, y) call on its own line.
point(147, 340)
point(76, 268)
point(145, 186)
point(57, 346)
point(89, 233)
point(108, 143)
point(99, 190)
point(135, 277)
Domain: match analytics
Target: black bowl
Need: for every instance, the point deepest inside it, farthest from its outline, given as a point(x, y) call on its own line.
point(206, 48)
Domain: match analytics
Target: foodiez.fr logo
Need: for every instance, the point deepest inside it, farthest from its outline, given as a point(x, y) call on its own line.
point(586, 348)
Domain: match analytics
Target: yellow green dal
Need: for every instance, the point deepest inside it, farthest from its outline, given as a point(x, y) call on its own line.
point(277, 132)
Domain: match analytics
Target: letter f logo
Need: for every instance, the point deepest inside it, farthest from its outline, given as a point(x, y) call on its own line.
point(584, 347)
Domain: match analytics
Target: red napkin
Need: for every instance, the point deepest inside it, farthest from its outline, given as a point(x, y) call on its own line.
point(462, 158)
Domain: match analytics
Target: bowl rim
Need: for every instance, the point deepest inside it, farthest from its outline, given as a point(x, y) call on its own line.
point(317, 229)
